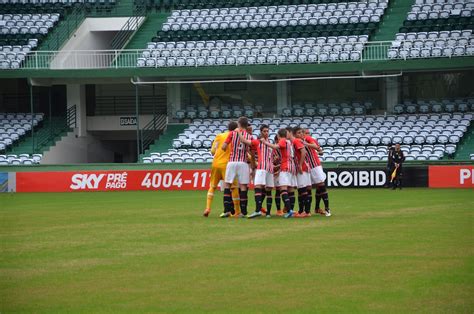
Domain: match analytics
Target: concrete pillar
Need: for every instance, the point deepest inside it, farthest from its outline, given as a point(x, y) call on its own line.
point(392, 92)
point(76, 96)
point(174, 99)
point(283, 96)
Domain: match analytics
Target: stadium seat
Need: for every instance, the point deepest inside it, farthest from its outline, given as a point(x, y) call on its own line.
point(251, 51)
point(423, 136)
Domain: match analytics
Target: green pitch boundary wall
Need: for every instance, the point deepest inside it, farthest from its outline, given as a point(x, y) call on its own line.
point(94, 178)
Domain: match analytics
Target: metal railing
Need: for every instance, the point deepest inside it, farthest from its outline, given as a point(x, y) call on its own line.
point(376, 51)
point(55, 127)
point(71, 117)
point(152, 131)
point(81, 59)
point(129, 28)
point(121, 105)
point(127, 58)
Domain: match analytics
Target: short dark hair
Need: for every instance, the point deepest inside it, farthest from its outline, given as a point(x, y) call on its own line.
point(232, 125)
point(282, 132)
point(243, 121)
point(296, 129)
point(264, 126)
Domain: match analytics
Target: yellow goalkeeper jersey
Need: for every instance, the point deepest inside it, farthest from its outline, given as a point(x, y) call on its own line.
point(221, 158)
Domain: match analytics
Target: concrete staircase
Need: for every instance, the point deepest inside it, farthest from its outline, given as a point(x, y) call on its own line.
point(50, 132)
point(466, 146)
point(165, 141)
point(147, 30)
point(392, 20)
point(72, 20)
point(142, 36)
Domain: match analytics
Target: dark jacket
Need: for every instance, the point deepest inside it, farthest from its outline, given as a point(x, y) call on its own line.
point(398, 157)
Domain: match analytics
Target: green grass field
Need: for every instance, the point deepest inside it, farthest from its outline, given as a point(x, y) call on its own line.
point(382, 251)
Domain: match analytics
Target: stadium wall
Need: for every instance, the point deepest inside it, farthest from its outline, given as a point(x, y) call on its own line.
point(73, 149)
point(436, 176)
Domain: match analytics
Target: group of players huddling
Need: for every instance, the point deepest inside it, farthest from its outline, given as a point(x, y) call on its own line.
point(290, 163)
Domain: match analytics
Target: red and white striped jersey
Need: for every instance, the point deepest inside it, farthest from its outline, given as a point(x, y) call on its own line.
point(264, 155)
point(312, 157)
point(299, 146)
point(287, 156)
point(239, 150)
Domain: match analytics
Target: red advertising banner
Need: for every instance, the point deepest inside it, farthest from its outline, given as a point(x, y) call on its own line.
point(133, 180)
point(451, 176)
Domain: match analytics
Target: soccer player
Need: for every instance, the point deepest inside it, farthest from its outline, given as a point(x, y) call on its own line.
point(291, 193)
point(237, 167)
point(264, 172)
point(317, 174)
point(303, 177)
point(250, 156)
point(219, 164)
point(252, 161)
point(287, 167)
point(276, 173)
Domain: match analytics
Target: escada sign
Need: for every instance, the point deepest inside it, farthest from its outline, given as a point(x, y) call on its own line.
point(128, 121)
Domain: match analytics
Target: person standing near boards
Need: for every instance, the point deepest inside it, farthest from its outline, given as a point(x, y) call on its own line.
point(397, 174)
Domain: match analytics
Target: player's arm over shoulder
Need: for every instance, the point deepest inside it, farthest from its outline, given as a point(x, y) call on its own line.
point(228, 140)
point(254, 144)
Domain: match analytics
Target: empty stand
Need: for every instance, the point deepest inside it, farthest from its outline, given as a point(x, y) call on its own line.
point(344, 138)
point(439, 9)
point(454, 43)
point(267, 34)
point(25, 25)
point(22, 28)
point(435, 106)
point(328, 19)
point(439, 15)
point(21, 159)
point(297, 110)
point(441, 28)
point(52, 6)
point(223, 111)
point(328, 109)
point(274, 16)
point(250, 51)
point(210, 4)
point(14, 126)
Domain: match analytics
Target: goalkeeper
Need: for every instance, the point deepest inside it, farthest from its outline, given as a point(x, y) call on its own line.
point(219, 164)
